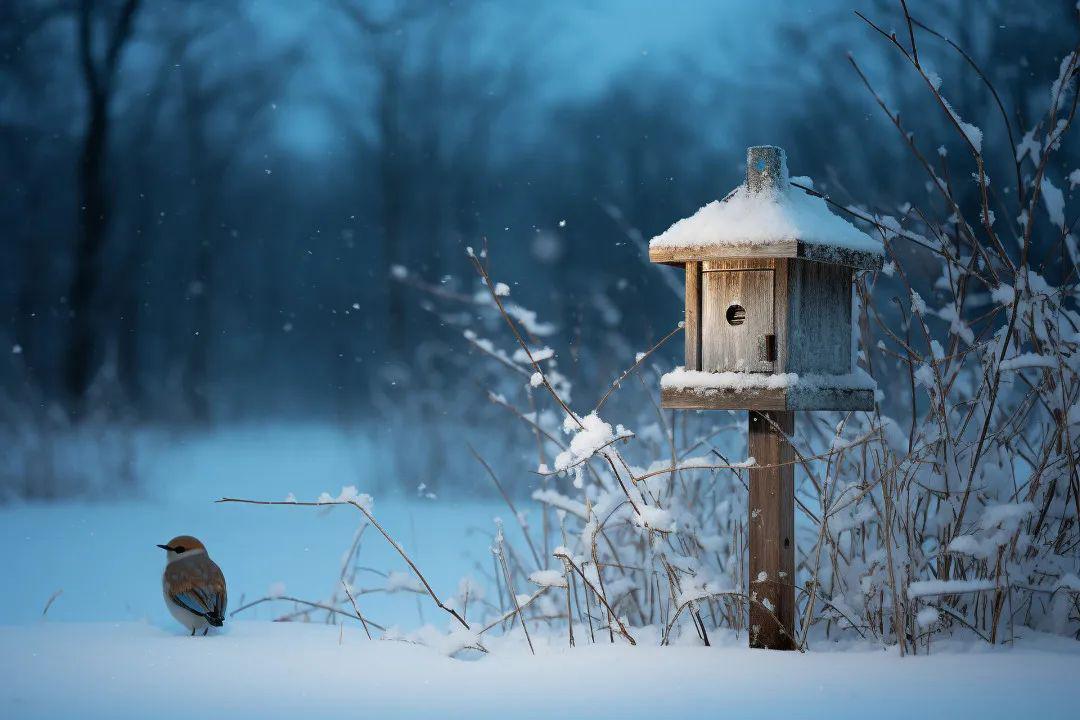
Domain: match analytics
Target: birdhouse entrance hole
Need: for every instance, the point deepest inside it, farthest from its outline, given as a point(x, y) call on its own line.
point(736, 315)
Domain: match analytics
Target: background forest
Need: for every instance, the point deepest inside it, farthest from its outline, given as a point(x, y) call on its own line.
point(234, 211)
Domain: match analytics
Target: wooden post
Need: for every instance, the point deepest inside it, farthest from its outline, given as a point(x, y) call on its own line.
point(771, 530)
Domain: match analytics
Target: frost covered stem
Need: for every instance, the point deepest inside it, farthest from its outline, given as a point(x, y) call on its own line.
point(352, 601)
point(517, 609)
point(622, 628)
point(316, 605)
point(569, 610)
point(514, 600)
point(375, 523)
point(644, 356)
point(517, 335)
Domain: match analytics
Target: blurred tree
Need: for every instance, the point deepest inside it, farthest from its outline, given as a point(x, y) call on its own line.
point(28, 114)
point(98, 71)
point(221, 104)
point(143, 136)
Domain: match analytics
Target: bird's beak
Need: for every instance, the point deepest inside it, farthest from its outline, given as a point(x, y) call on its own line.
point(164, 547)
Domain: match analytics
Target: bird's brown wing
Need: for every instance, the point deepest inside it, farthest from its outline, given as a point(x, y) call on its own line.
point(198, 585)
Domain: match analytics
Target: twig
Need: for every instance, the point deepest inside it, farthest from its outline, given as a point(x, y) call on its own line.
point(637, 363)
point(374, 522)
point(50, 601)
point(352, 600)
point(309, 603)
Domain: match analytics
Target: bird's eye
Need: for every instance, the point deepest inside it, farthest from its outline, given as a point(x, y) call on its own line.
point(178, 549)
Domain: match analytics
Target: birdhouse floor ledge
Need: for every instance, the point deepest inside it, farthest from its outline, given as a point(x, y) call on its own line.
point(694, 389)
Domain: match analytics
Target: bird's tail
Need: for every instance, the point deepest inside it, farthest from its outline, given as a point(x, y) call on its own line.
point(215, 619)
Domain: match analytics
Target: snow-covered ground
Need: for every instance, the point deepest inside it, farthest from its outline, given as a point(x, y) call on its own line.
point(108, 648)
point(268, 670)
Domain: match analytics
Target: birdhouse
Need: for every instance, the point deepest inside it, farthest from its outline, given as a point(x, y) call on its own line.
point(769, 275)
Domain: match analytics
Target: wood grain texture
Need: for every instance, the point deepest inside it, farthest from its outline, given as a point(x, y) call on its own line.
point(819, 309)
point(679, 399)
point(692, 330)
point(727, 346)
point(771, 530)
point(781, 399)
point(858, 259)
point(781, 305)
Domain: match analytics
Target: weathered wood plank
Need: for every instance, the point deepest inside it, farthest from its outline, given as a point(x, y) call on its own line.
point(781, 311)
point(831, 399)
point(780, 399)
point(858, 259)
point(819, 308)
point(692, 330)
point(783, 248)
point(680, 399)
point(771, 530)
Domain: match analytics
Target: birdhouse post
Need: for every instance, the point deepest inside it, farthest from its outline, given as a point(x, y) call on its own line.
point(768, 324)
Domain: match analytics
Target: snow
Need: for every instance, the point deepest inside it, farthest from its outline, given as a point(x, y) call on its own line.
point(746, 219)
point(288, 670)
point(1029, 360)
point(399, 581)
point(538, 355)
point(1029, 146)
point(799, 391)
point(1065, 70)
point(918, 305)
point(591, 436)
point(927, 617)
point(654, 518)
point(707, 382)
point(548, 578)
point(348, 493)
point(973, 134)
point(1003, 294)
point(923, 588)
point(559, 501)
point(1054, 200)
point(968, 545)
point(1007, 516)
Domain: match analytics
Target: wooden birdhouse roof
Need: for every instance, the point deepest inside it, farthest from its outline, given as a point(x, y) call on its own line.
point(764, 218)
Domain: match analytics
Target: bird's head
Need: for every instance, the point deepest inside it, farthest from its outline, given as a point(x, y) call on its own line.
point(183, 546)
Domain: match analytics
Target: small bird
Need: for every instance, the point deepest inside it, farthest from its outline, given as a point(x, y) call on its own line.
point(193, 585)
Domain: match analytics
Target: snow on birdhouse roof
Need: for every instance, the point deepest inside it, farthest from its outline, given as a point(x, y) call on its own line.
point(767, 217)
